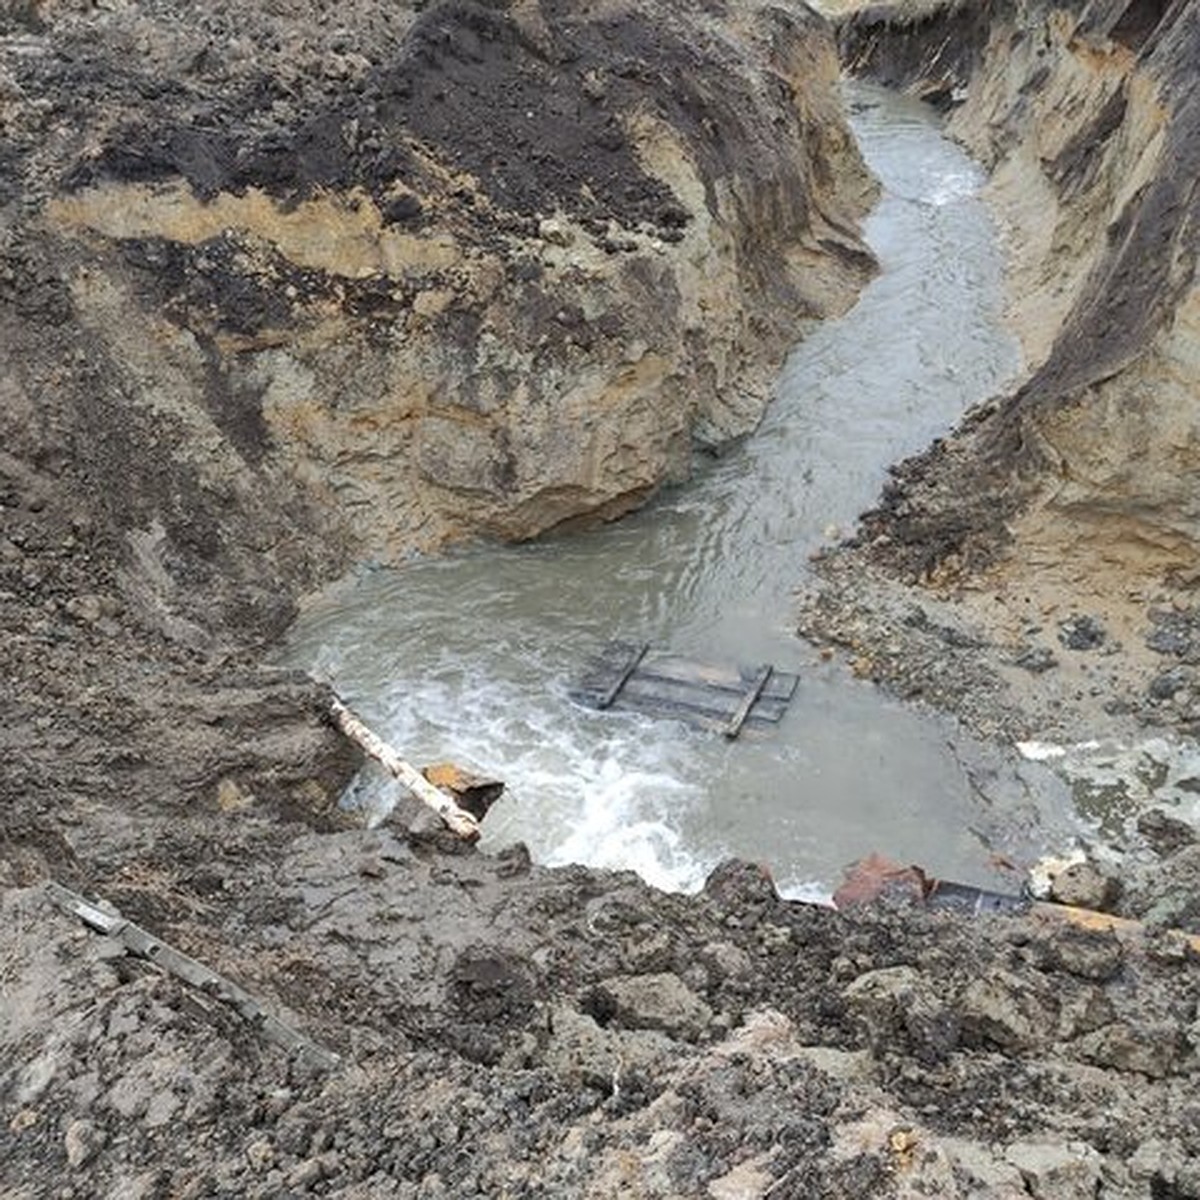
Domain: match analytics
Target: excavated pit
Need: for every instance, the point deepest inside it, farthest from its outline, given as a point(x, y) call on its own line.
point(192, 421)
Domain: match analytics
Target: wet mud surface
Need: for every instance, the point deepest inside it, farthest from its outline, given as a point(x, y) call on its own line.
point(514, 1031)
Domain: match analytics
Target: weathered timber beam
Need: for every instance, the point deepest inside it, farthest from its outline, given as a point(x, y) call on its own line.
point(1123, 927)
point(610, 695)
point(734, 725)
point(458, 819)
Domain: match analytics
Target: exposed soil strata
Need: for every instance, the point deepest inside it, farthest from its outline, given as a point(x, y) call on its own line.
point(278, 294)
point(1074, 494)
point(930, 47)
point(405, 261)
point(264, 304)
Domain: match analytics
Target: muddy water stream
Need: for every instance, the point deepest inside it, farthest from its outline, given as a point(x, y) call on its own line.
point(470, 657)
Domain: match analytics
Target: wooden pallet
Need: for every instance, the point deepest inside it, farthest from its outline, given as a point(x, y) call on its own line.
point(629, 675)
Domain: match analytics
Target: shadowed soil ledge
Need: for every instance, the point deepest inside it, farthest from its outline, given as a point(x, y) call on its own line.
point(234, 241)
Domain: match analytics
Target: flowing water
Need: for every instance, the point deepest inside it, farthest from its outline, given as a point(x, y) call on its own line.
point(470, 657)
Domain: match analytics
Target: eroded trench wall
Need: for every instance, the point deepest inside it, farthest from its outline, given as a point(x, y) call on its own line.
point(293, 295)
point(285, 288)
point(1088, 117)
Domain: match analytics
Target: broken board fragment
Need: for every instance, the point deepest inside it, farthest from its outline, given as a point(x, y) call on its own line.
point(629, 676)
point(475, 793)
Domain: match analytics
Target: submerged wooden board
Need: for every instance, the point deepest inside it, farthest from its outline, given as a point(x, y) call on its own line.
point(740, 714)
point(622, 676)
point(627, 675)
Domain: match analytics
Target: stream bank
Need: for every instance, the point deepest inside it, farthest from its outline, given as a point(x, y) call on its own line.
point(505, 1029)
point(1056, 526)
point(1033, 573)
point(474, 653)
point(251, 277)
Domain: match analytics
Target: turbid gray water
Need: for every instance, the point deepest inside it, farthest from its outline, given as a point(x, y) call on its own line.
point(470, 657)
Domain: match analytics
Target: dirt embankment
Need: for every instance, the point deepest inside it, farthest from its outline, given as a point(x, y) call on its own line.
point(1056, 531)
point(406, 259)
point(233, 237)
point(509, 1031)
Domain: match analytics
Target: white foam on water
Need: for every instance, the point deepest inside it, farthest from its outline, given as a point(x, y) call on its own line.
point(951, 186)
point(605, 802)
point(806, 891)
point(651, 848)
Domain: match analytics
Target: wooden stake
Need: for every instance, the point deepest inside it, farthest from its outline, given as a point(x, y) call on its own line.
point(734, 725)
point(458, 819)
point(639, 652)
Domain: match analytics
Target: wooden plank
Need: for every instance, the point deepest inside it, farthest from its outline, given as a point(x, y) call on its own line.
point(628, 676)
point(603, 670)
point(686, 670)
point(696, 707)
point(683, 702)
point(780, 686)
point(610, 694)
point(647, 691)
point(738, 719)
point(768, 711)
point(675, 669)
point(674, 711)
point(144, 944)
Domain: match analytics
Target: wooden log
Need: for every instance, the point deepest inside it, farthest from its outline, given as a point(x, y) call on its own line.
point(606, 700)
point(143, 944)
point(458, 819)
point(738, 719)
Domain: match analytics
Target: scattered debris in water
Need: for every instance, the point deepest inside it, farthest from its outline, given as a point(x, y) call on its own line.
point(1113, 781)
point(878, 879)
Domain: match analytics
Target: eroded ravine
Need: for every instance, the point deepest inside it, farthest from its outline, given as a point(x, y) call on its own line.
point(470, 656)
